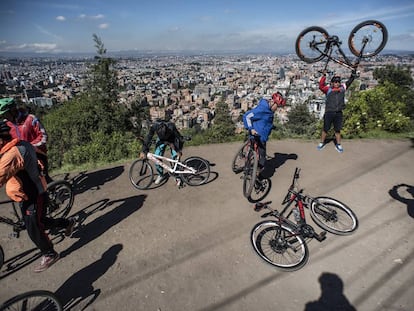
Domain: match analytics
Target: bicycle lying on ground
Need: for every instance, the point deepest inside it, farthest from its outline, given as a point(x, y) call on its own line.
point(59, 202)
point(34, 300)
point(246, 160)
point(193, 171)
point(367, 39)
point(283, 242)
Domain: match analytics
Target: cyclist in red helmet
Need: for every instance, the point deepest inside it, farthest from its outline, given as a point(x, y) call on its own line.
point(259, 122)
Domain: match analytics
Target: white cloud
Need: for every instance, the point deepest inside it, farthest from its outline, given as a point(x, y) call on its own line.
point(60, 18)
point(103, 26)
point(94, 17)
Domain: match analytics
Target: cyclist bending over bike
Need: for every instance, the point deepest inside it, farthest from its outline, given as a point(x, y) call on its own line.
point(259, 122)
point(167, 135)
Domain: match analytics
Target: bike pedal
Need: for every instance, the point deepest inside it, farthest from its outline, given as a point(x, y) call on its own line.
point(321, 236)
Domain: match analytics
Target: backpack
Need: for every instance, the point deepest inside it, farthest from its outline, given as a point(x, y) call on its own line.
point(164, 132)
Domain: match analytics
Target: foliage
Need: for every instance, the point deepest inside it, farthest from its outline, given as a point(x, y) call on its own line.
point(398, 75)
point(94, 126)
point(223, 126)
point(301, 121)
point(378, 108)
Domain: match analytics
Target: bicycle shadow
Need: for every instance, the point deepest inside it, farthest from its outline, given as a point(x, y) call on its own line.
point(395, 194)
point(272, 164)
point(74, 296)
point(19, 261)
point(98, 226)
point(84, 181)
point(332, 296)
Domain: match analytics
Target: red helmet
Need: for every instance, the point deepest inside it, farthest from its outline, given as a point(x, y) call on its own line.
point(277, 95)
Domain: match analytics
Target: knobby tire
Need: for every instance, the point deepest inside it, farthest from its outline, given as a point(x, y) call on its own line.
point(141, 174)
point(279, 245)
point(33, 300)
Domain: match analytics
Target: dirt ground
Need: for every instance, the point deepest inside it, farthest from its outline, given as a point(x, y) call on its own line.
point(189, 249)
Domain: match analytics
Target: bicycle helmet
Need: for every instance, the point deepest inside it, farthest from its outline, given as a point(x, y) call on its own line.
point(6, 104)
point(4, 128)
point(277, 95)
point(336, 79)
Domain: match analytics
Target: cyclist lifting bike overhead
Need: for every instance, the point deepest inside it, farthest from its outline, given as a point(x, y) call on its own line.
point(314, 44)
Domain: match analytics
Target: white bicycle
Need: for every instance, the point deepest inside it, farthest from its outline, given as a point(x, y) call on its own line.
point(193, 171)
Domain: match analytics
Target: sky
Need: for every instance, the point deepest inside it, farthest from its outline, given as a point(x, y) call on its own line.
point(56, 26)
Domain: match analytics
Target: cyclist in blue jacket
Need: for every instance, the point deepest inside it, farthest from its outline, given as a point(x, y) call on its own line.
point(259, 122)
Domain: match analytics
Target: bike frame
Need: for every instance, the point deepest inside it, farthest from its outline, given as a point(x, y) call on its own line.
point(18, 224)
point(334, 42)
point(177, 166)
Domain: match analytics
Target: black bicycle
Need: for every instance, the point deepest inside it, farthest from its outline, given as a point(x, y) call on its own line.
point(39, 300)
point(283, 242)
point(367, 39)
point(60, 198)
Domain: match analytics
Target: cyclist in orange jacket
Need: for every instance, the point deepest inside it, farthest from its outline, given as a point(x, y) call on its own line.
point(26, 126)
point(20, 173)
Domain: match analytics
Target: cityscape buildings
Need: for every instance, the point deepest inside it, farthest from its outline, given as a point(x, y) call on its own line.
point(186, 86)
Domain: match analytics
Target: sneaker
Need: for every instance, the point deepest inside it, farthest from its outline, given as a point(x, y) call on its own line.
point(178, 182)
point(320, 146)
point(46, 262)
point(159, 179)
point(339, 148)
point(70, 227)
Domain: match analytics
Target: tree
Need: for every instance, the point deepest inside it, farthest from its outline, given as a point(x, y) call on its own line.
point(223, 126)
point(301, 121)
point(398, 75)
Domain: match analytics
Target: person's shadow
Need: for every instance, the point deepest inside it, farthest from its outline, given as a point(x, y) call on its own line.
point(272, 164)
point(78, 290)
point(332, 297)
point(395, 194)
point(94, 229)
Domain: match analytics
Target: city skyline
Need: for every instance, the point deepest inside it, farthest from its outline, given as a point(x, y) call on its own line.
point(177, 25)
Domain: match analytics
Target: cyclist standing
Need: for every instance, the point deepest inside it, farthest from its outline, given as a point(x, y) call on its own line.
point(259, 122)
point(334, 104)
point(24, 184)
point(167, 135)
point(26, 126)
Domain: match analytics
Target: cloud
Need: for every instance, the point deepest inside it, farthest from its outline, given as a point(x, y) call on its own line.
point(93, 17)
point(103, 26)
point(60, 18)
point(31, 47)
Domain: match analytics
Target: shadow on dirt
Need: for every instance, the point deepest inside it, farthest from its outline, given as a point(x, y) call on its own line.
point(332, 295)
point(272, 164)
point(86, 233)
point(78, 290)
point(93, 180)
point(395, 194)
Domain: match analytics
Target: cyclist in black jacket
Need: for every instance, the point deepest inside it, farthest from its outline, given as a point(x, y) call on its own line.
point(167, 135)
point(334, 104)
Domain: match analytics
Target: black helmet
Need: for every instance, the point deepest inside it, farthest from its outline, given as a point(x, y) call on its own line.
point(336, 79)
point(4, 128)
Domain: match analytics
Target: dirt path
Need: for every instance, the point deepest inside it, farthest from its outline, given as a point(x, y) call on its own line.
point(189, 249)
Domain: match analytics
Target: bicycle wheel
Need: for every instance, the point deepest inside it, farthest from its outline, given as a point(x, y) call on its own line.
point(310, 44)
point(279, 245)
point(260, 190)
point(202, 174)
point(368, 37)
point(60, 198)
point(141, 174)
point(240, 158)
point(34, 300)
point(250, 172)
point(333, 216)
point(1, 257)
